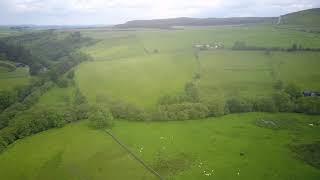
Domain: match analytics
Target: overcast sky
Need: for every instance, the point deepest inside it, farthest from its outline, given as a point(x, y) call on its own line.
point(89, 12)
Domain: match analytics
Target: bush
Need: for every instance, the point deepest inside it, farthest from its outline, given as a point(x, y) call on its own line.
point(6, 99)
point(236, 105)
point(216, 107)
point(182, 111)
point(121, 110)
point(79, 98)
point(80, 112)
point(100, 118)
point(264, 105)
point(9, 66)
point(192, 92)
point(293, 90)
point(283, 102)
point(63, 83)
point(308, 105)
point(70, 74)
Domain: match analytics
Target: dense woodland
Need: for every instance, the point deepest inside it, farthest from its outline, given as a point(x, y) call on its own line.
point(17, 119)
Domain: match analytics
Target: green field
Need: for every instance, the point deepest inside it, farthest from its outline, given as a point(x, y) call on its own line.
point(125, 62)
point(74, 152)
point(252, 74)
point(77, 152)
point(141, 66)
point(138, 80)
point(9, 80)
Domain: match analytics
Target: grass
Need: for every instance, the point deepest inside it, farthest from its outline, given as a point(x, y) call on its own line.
point(238, 146)
point(73, 152)
point(9, 80)
point(250, 74)
point(308, 17)
point(227, 145)
point(129, 70)
point(138, 80)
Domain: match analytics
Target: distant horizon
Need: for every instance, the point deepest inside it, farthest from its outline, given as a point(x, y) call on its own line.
point(113, 12)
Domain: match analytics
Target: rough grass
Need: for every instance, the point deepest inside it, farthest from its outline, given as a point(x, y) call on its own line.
point(140, 80)
point(73, 152)
point(250, 74)
point(226, 145)
point(135, 74)
point(10, 80)
point(309, 153)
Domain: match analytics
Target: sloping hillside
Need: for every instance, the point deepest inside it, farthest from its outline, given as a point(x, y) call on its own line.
point(167, 23)
point(310, 17)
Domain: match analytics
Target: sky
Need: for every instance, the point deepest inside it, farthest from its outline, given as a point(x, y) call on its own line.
point(107, 12)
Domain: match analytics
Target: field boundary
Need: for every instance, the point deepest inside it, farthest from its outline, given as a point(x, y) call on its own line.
point(135, 156)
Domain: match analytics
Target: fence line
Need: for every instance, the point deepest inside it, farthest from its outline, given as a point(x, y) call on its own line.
point(135, 156)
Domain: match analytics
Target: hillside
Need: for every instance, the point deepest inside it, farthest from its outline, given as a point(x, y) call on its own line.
point(167, 23)
point(310, 17)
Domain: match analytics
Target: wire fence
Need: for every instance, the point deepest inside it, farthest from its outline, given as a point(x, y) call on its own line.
point(133, 155)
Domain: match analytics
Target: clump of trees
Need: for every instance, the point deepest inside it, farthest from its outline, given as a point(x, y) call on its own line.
point(18, 121)
point(9, 66)
point(242, 46)
point(43, 50)
point(20, 100)
point(100, 117)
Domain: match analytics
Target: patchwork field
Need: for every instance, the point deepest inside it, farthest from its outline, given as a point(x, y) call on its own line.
point(140, 66)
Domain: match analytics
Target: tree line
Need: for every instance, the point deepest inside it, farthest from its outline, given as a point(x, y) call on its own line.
point(41, 50)
point(18, 116)
point(242, 46)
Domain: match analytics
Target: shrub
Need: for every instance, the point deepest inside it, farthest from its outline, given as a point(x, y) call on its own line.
point(283, 102)
point(264, 105)
point(236, 105)
point(216, 107)
point(100, 118)
point(79, 98)
point(192, 92)
point(7, 65)
point(293, 90)
point(80, 112)
point(308, 105)
point(70, 74)
point(182, 111)
point(63, 83)
point(127, 111)
point(6, 99)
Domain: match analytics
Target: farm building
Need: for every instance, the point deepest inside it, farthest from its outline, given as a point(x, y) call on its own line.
point(20, 65)
point(215, 45)
point(310, 93)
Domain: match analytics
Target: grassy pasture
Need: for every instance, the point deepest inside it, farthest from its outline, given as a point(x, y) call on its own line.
point(9, 80)
point(249, 74)
point(192, 147)
point(134, 73)
point(73, 152)
point(138, 80)
point(178, 150)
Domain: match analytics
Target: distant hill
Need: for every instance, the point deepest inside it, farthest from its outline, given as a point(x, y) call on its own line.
point(167, 23)
point(310, 17)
